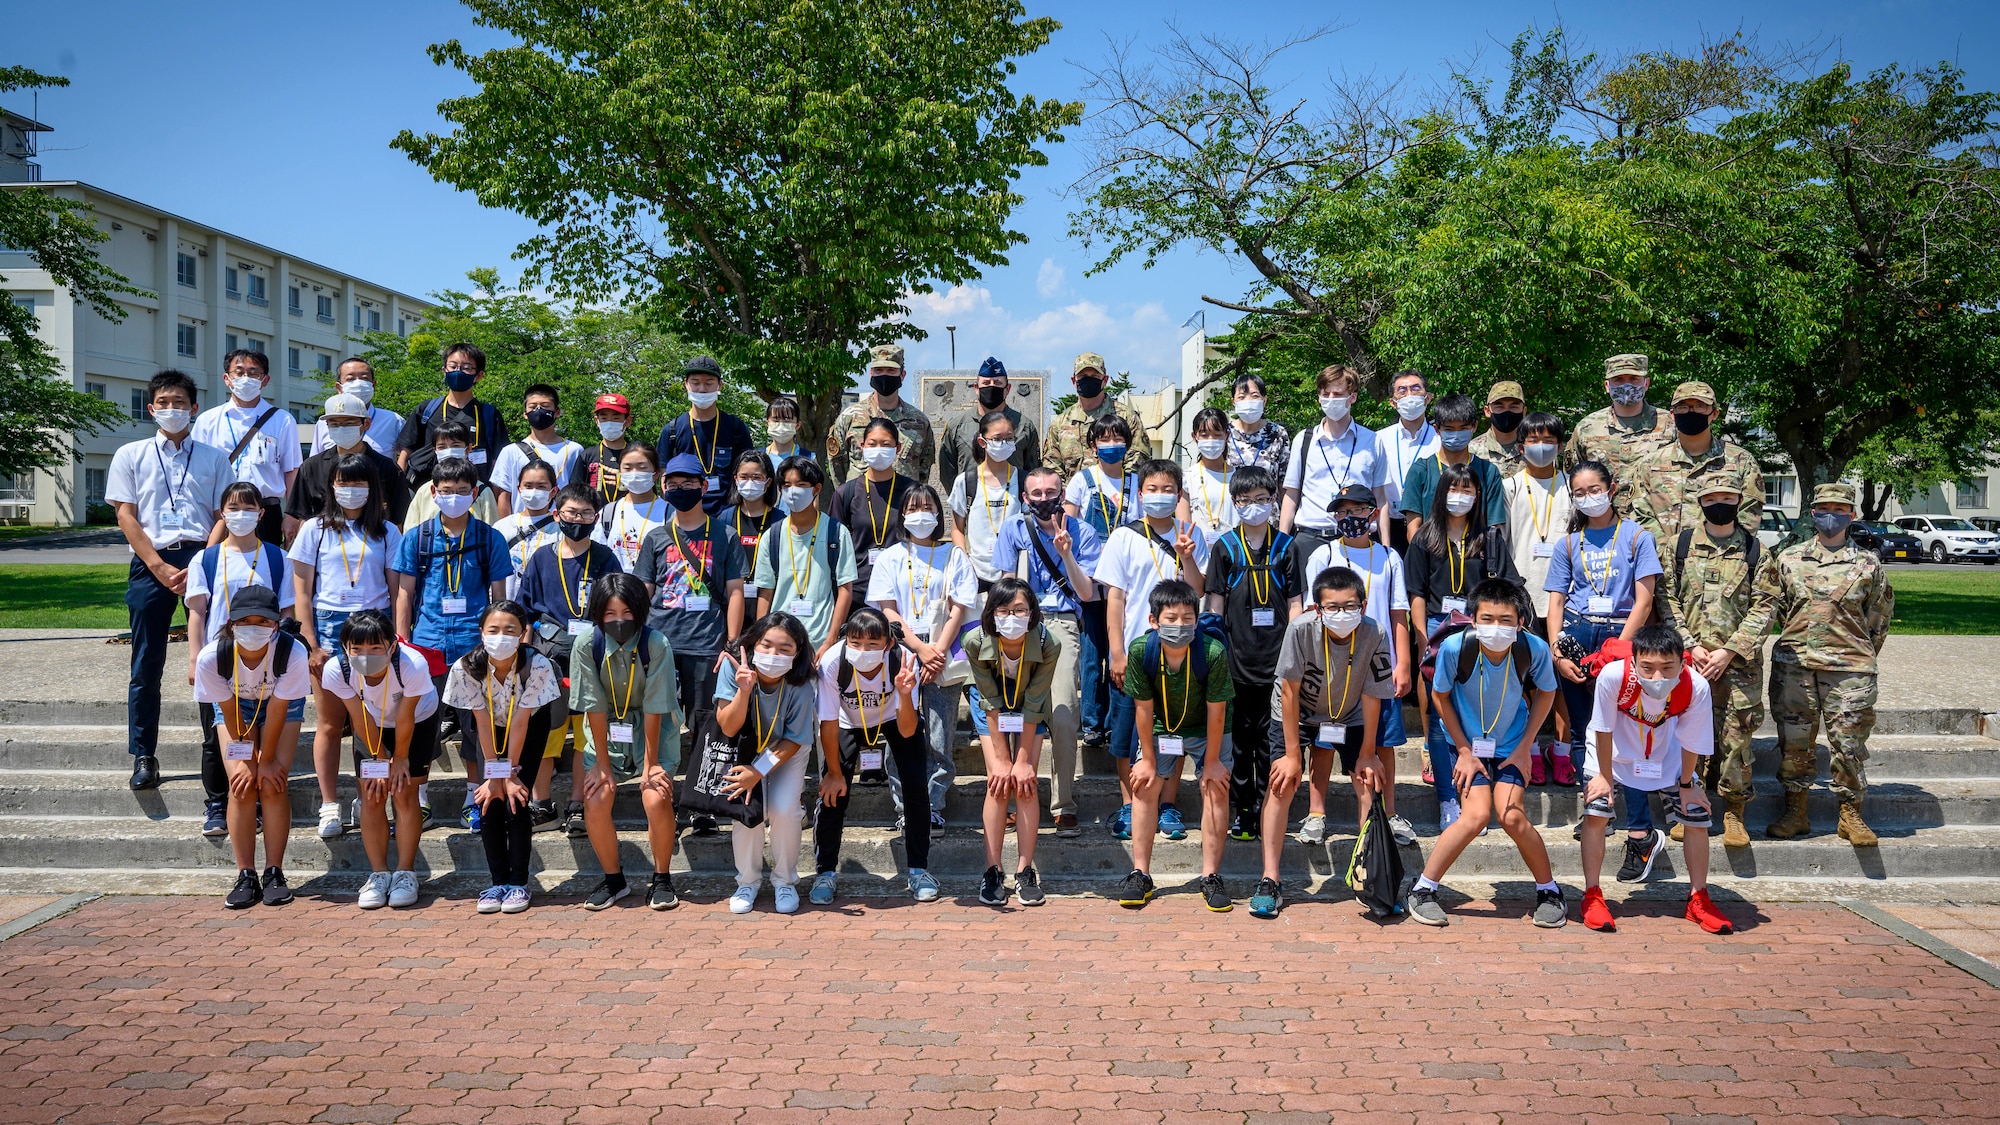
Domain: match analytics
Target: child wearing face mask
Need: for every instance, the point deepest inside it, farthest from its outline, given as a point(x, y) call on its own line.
point(781, 423)
point(693, 569)
point(805, 565)
point(622, 680)
point(1538, 516)
point(1013, 659)
point(868, 725)
point(600, 470)
point(532, 524)
point(625, 524)
point(714, 436)
point(384, 689)
point(870, 503)
point(985, 496)
point(1456, 417)
point(453, 443)
point(507, 689)
point(751, 509)
point(1209, 503)
point(768, 697)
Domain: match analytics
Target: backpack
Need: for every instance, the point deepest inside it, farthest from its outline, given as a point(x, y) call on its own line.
point(427, 547)
point(532, 528)
point(646, 635)
point(1239, 558)
point(1208, 627)
point(895, 663)
point(1522, 657)
point(225, 657)
point(274, 560)
point(832, 548)
point(1686, 541)
point(395, 668)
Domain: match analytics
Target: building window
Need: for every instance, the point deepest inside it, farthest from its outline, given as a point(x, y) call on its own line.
point(255, 345)
point(27, 303)
point(1780, 492)
point(325, 363)
point(256, 295)
point(138, 404)
point(184, 269)
point(325, 309)
point(184, 340)
point(18, 489)
point(302, 413)
point(292, 301)
point(1971, 492)
point(98, 389)
point(228, 343)
point(93, 486)
point(229, 283)
point(402, 327)
point(292, 360)
point(374, 320)
point(357, 318)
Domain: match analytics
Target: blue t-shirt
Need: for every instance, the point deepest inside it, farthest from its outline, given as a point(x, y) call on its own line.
point(460, 567)
point(1586, 564)
point(1013, 539)
point(1489, 702)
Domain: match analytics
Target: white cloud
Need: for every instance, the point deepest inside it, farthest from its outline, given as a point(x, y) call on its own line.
point(1141, 338)
point(1049, 280)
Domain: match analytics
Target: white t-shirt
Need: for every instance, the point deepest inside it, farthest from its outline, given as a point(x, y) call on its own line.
point(1381, 571)
point(1321, 466)
point(516, 531)
point(1135, 564)
point(270, 453)
point(984, 508)
point(387, 696)
point(562, 457)
point(915, 579)
point(623, 527)
point(1692, 731)
point(1208, 500)
point(1090, 482)
point(1537, 515)
point(351, 571)
point(1400, 450)
point(877, 693)
point(543, 687)
point(233, 571)
point(253, 683)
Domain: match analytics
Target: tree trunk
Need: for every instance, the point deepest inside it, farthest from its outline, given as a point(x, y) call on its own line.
point(1873, 500)
point(816, 414)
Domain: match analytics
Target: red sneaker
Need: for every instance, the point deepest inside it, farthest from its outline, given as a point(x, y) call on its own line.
point(1702, 912)
point(1538, 768)
point(1563, 768)
point(1597, 912)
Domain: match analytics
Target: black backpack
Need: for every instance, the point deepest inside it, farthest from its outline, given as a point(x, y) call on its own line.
point(225, 656)
point(645, 657)
point(1686, 540)
point(427, 547)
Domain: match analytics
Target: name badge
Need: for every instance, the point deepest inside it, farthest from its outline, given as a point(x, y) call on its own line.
point(620, 733)
point(1010, 722)
point(373, 769)
point(1600, 604)
point(578, 627)
point(1262, 617)
point(921, 628)
point(1545, 550)
point(451, 605)
point(477, 456)
point(799, 607)
point(348, 597)
point(239, 751)
point(715, 483)
point(699, 602)
point(1485, 747)
point(583, 591)
point(499, 770)
point(871, 760)
point(1454, 605)
point(1168, 746)
point(873, 554)
point(171, 518)
point(1647, 769)
point(1332, 734)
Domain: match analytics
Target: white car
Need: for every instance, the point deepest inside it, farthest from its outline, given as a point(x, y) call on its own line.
point(1772, 528)
point(1949, 537)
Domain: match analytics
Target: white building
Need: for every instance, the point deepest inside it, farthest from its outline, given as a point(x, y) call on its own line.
point(209, 293)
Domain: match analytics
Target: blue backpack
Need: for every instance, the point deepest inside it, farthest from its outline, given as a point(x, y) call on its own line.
point(274, 562)
point(1240, 563)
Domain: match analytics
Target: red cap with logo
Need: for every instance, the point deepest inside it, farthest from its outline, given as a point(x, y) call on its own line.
point(614, 402)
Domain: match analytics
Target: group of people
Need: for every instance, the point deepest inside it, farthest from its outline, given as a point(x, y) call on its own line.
point(1559, 607)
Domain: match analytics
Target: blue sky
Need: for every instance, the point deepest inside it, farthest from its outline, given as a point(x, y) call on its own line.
point(273, 121)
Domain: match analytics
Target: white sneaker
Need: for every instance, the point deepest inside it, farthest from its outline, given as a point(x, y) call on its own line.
point(744, 899)
point(329, 820)
point(1313, 831)
point(786, 898)
point(403, 888)
point(375, 892)
point(1447, 814)
point(1401, 831)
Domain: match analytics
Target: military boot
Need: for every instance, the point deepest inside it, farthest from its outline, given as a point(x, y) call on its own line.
point(1794, 822)
point(1733, 833)
point(1853, 829)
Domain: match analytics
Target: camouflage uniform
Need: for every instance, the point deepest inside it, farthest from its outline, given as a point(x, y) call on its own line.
point(1622, 444)
point(1069, 448)
point(1506, 458)
point(1708, 602)
point(1666, 487)
point(913, 458)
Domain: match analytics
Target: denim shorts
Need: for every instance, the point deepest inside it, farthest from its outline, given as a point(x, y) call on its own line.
point(1508, 774)
point(326, 626)
point(1389, 731)
point(295, 711)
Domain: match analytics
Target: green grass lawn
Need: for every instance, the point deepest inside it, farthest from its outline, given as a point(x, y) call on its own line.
point(63, 596)
point(1946, 599)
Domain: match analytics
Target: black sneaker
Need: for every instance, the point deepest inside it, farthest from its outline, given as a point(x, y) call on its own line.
point(542, 814)
point(993, 888)
point(1215, 894)
point(276, 893)
point(1639, 856)
point(1136, 890)
point(1028, 886)
point(1551, 912)
point(215, 817)
point(606, 893)
point(1267, 899)
point(661, 895)
point(246, 892)
point(573, 822)
point(1246, 825)
point(937, 826)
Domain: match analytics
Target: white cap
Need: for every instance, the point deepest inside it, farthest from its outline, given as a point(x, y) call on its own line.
point(346, 406)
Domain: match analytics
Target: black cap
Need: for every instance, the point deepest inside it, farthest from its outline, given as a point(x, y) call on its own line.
point(253, 601)
point(1357, 492)
point(701, 365)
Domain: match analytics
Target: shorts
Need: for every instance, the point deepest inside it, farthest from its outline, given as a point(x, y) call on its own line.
point(1195, 749)
point(1509, 774)
point(295, 711)
point(1696, 817)
point(1389, 729)
point(622, 768)
point(326, 626)
point(1349, 746)
point(422, 749)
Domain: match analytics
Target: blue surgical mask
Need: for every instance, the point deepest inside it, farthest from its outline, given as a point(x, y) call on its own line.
point(1111, 454)
point(1159, 504)
point(1455, 440)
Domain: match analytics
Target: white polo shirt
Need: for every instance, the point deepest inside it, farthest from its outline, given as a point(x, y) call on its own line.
point(272, 451)
point(1693, 731)
point(1402, 449)
point(175, 491)
point(384, 426)
point(1321, 466)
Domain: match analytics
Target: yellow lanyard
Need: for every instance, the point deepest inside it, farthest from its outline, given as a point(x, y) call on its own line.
point(1110, 521)
point(918, 604)
point(514, 697)
point(1486, 728)
point(1020, 675)
point(1326, 656)
point(382, 713)
point(583, 581)
point(694, 436)
point(881, 713)
point(1263, 595)
point(1367, 573)
point(1454, 564)
point(881, 535)
point(1008, 491)
point(625, 509)
point(607, 482)
point(223, 578)
point(353, 570)
point(1214, 517)
point(800, 582)
point(1152, 541)
point(764, 737)
point(631, 677)
point(1543, 518)
point(236, 686)
point(693, 562)
point(454, 578)
point(1187, 689)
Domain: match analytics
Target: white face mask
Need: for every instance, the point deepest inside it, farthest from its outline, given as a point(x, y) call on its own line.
point(1341, 622)
point(1334, 408)
point(1012, 626)
point(454, 504)
point(1540, 454)
point(1495, 636)
point(1595, 504)
point(1250, 409)
point(1458, 503)
point(451, 453)
point(638, 480)
point(798, 498)
point(1411, 407)
point(350, 496)
point(361, 389)
point(500, 646)
point(240, 522)
point(171, 420)
point(879, 456)
point(1256, 515)
point(1660, 688)
point(999, 450)
point(611, 431)
point(920, 524)
point(247, 388)
point(704, 399)
point(254, 636)
point(750, 489)
point(1210, 447)
point(771, 663)
point(534, 499)
point(344, 437)
point(864, 659)
point(783, 432)
point(1159, 504)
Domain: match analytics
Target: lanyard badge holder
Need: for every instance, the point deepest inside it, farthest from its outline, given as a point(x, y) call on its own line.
point(244, 748)
point(869, 767)
point(375, 767)
point(498, 767)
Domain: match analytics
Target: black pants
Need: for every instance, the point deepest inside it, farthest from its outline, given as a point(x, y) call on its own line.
point(694, 677)
point(1306, 540)
point(910, 766)
point(149, 611)
point(506, 830)
point(1250, 730)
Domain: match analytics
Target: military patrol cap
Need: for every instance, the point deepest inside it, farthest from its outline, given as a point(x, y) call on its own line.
point(1626, 365)
point(992, 368)
point(885, 355)
point(1090, 360)
point(1717, 483)
point(1695, 391)
point(1505, 388)
point(1834, 492)
point(701, 365)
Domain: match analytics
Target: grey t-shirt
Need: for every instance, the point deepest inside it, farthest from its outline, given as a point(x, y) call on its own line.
point(1359, 667)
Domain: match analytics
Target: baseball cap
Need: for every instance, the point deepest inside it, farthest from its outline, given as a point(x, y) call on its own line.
point(684, 464)
point(613, 402)
point(345, 406)
point(1356, 492)
point(253, 601)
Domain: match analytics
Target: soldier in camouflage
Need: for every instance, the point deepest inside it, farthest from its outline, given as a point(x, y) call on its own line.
point(1832, 603)
point(1666, 487)
point(1068, 449)
point(1506, 406)
point(1623, 434)
point(884, 400)
point(1706, 591)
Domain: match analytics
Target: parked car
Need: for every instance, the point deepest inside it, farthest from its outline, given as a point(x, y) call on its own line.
point(1772, 528)
point(1949, 537)
point(1986, 523)
point(1890, 544)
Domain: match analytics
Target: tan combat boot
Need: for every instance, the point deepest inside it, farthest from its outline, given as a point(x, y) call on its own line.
point(1794, 822)
point(1676, 833)
point(1853, 829)
point(1733, 833)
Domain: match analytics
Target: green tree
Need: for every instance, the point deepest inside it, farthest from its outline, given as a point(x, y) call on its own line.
point(59, 236)
point(770, 179)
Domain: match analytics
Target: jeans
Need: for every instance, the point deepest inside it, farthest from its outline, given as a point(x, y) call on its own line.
point(786, 821)
point(1437, 743)
point(1582, 698)
point(150, 609)
point(907, 756)
point(1092, 673)
point(1122, 717)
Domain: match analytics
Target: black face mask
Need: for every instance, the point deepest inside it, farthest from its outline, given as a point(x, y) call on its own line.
point(1506, 421)
point(1046, 509)
point(1691, 424)
point(576, 531)
point(541, 418)
point(620, 631)
point(992, 397)
point(886, 385)
point(1721, 514)
point(684, 499)
point(1089, 386)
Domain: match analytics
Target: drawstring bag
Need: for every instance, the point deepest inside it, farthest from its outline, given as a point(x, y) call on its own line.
point(1375, 870)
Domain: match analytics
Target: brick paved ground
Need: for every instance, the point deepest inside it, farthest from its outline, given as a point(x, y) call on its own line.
point(1973, 927)
point(171, 1010)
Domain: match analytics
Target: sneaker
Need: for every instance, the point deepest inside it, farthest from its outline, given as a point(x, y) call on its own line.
point(403, 889)
point(1121, 823)
point(1702, 912)
point(1214, 895)
point(742, 900)
point(329, 820)
point(1423, 905)
point(431, 820)
point(541, 814)
point(374, 892)
point(246, 892)
point(1243, 825)
point(1447, 813)
point(1136, 890)
point(1401, 832)
point(1429, 778)
point(573, 826)
point(1313, 831)
point(993, 888)
point(1090, 736)
point(491, 899)
point(1267, 899)
point(937, 826)
point(1028, 886)
point(516, 901)
point(1551, 912)
point(1597, 912)
point(705, 826)
point(660, 895)
point(606, 894)
point(1639, 856)
point(276, 893)
point(1171, 824)
point(923, 886)
point(215, 818)
point(822, 889)
point(1067, 826)
point(468, 817)
point(785, 898)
